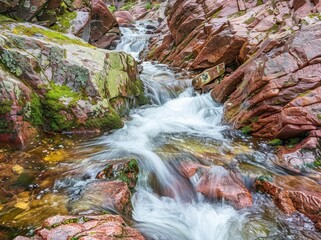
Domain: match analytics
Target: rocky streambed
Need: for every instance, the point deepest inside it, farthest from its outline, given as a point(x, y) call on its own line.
point(172, 167)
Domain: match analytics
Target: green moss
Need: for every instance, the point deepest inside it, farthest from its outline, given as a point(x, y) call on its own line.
point(250, 20)
point(143, 100)
point(319, 116)
point(112, 8)
point(314, 165)
point(274, 28)
point(156, 6)
point(315, 15)
point(64, 22)
point(36, 114)
point(127, 6)
point(275, 142)
point(4, 19)
point(255, 119)
point(216, 13)
point(53, 36)
point(292, 141)
point(247, 129)
point(5, 106)
point(111, 120)
point(148, 6)
point(54, 105)
point(259, 2)
point(265, 178)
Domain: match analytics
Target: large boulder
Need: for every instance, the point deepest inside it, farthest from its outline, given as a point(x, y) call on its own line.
point(101, 227)
point(55, 82)
point(90, 20)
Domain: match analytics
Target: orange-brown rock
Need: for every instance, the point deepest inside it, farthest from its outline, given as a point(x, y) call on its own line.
point(219, 183)
point(112, 195)
point(294, 193)
point(101, 227)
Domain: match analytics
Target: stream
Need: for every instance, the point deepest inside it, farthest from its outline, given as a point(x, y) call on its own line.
point(180, 126)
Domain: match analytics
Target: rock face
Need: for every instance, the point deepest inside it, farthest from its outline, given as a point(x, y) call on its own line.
point(55, 82)
point(85, 227)
point(90, 20)
point(289, 194)
point(271, 53)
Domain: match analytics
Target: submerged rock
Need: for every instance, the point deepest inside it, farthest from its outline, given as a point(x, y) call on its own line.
point(294, 193)
point(55, 82)
point(218, 183)
point(101, 227)
point(123, 170)
point(105, 195)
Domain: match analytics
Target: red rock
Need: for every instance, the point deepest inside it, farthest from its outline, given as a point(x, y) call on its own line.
point(102, 21)
point(113, 195)
point(218, 183)
point(124, 18)
point(28, 9)
point(295, 193)
point(101, 227)
point(208, 75)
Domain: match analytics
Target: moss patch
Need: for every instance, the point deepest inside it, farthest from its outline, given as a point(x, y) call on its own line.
point(55, 109)
point(5, 106)
point(275, 142)
point(49, 34)
point(64, 21)
point(111, 120)
point(247, 129)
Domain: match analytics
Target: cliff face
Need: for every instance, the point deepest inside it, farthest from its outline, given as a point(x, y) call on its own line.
point(269, 51)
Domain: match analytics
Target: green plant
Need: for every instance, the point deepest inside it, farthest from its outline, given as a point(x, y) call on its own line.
point(148, 6)
point(246, 129)
point(275, 142)
point(112, 8)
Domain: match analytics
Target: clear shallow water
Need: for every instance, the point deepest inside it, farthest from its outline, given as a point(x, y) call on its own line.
point(178, 126)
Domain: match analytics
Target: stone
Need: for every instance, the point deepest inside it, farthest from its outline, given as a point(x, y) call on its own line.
point(60, 83)
point(294, 193)
point(218, 183)
point(102, 227)
point(17, 169)
point(124, 18)
point(208, 76)
point(108, 195)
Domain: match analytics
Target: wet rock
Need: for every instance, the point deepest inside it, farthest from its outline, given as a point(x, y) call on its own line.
point(102, 21)
point(124, 170)
point(60, 83)
point(271, 51)
point(294, 193)
point(105, 195)
point(124, 18)
point(17, 169)
point(218, 183)
point(208, 76)
point(85, 227)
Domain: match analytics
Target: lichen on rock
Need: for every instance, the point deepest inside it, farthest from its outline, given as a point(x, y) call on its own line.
point(60, 83)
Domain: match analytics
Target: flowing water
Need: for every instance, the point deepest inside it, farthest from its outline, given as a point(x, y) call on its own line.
point(178, 127)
